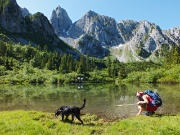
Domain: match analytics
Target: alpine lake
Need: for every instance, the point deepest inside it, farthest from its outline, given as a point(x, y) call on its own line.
point(108, 101)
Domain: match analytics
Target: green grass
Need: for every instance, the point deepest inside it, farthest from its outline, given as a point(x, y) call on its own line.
point(144, 125)
point(41, 123)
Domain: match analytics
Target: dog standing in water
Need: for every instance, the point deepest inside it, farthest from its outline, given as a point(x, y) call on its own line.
point(70, 110)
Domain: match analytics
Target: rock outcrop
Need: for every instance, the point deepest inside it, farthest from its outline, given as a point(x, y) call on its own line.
point(60, 21)
point(97, 35)
point(35, 29)
point(11, 17)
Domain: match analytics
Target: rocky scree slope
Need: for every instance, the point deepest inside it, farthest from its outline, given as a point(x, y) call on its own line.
point(128, 40)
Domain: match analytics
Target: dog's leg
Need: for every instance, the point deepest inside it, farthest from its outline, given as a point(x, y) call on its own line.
point(62, 117)
point(72, 117)
point(67, 115)
point(78, 117)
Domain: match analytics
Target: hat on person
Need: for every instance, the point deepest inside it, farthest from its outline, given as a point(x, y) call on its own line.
point(140, 93)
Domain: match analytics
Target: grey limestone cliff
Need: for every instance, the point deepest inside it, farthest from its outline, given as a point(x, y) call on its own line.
point(98, 35)
point(35, 29)
point(101, 29)
point(11, 18)
point(173, 34)
point(60, 21)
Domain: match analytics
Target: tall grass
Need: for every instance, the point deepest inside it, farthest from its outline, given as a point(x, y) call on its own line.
point(144, 125)
point(41, 123)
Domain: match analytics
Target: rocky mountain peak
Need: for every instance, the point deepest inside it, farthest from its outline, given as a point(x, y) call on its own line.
point(95, 34)
point(13, 2)
point(25, 12)
point(60, 12)
point(175, 31)
point(90, 13)
point(100, 30)
point(11, 18)
point(173, 34)
point(128, 24)
point(145, 23)
point(127, 28)
point(60, 21)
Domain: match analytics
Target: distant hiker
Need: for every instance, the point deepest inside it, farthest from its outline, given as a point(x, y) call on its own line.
point(149, 101)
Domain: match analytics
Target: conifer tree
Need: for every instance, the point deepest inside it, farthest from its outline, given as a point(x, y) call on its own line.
point(82, 65)
point(7, 64)
point(63, 67)
point(49, 64)
point(3, 48)
point(9, 50)
point(173, 57)
point(108, 63)
point(122, 71)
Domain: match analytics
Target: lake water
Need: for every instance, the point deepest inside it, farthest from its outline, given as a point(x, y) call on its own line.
point(102, 99)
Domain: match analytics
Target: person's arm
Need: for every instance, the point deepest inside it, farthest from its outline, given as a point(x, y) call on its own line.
point(141, 104)
point(140, 110)
point(145, 100)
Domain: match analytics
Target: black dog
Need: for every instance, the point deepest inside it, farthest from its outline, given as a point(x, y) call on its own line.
point(73, 110)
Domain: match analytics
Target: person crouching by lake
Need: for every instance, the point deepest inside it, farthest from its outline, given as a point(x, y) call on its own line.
point(145, 104)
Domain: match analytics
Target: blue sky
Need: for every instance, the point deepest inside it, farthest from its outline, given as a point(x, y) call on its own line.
point(165, 13)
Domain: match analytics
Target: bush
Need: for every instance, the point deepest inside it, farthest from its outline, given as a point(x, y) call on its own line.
point(134, 77)
point(53, 79)
point(2, 70)
point(37, 79)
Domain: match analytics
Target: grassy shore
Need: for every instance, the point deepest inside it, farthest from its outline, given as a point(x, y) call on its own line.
point(42, 123)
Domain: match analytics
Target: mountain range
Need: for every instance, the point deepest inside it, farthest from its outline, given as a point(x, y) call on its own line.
point(93, 35)
point(128, 40)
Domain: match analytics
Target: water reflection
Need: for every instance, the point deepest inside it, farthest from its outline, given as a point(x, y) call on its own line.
point(101, 98)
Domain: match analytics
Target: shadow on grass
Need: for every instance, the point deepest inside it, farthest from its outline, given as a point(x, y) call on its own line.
point(75, 123)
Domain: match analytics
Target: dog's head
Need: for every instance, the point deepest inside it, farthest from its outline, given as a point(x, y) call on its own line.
point(58, 112)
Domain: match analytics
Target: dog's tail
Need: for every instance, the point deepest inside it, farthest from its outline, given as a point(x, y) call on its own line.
point(84, 102)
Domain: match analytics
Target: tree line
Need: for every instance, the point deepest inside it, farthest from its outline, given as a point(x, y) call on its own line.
point(28, 60)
